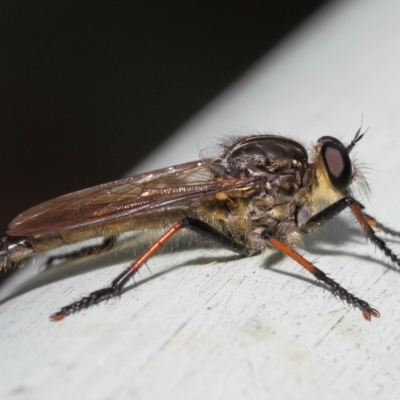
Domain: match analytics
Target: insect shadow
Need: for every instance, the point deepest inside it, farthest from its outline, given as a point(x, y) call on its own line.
point(336, 233)
point(125, 251)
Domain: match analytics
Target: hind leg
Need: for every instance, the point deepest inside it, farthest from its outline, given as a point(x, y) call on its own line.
point(107, 244)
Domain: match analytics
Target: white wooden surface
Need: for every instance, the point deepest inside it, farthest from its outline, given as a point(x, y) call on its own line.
point(248, 328)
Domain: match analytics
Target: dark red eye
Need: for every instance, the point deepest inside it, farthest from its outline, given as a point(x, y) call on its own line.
point(337, 163)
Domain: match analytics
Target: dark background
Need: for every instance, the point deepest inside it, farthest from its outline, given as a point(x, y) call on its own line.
point(89, 88)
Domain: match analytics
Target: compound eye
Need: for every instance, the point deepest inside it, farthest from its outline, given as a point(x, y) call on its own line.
point(338, 164)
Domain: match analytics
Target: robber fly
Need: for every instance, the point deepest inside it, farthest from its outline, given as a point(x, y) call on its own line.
point(262, 191)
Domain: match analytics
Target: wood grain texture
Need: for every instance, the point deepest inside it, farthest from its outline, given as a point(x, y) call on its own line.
point(251, 327)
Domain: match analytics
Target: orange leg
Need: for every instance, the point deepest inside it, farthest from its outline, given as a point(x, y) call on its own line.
point(120, 281)
point(364, 220)
point(369, 232)
point(380, 227)
point(334, 287)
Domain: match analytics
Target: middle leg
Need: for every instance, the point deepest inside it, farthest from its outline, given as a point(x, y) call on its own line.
point(333, 286)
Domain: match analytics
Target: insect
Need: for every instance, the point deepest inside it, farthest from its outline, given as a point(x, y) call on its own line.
point(261, 191)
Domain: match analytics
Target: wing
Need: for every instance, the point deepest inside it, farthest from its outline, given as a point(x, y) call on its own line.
point(130, 196)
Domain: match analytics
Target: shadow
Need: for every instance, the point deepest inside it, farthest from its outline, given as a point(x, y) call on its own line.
point(196, 262)
point(79, 267)
point(336, 234)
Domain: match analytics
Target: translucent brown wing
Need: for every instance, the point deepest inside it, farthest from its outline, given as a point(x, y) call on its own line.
point(122, 198)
